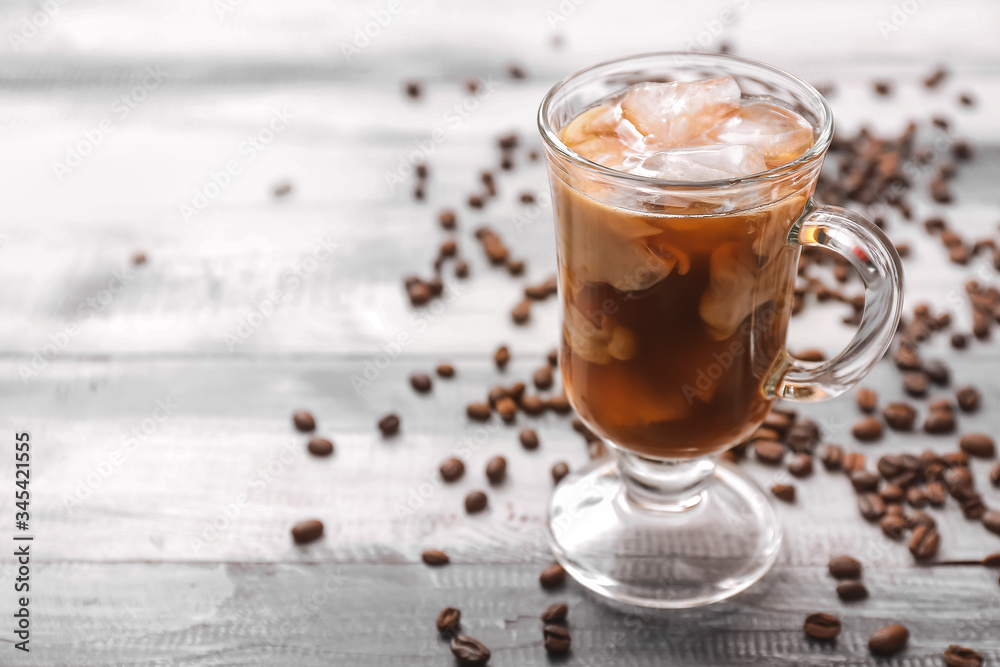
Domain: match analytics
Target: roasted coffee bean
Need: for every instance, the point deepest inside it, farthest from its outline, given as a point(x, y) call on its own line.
point(445, 370)
point(882, 88)
point(556, 613)
point(475, 201)
point(973, 507)
point(532, 405)
point(452, 469)
point(389, 425)
point(553, 576)
point(899, 416)
point(915, 497)
point(448, 249)
point(889, 640)
point(871, 506)
point(479, 412)
point(516, 391)
point(469, 652)
point(559, 470)
point(854, 461)
point(421, 382)
point(849, 591)
point(320, 447)
point(995, 475)
point(979, 445)
point(893, 526)
point(521, 313)
point(559, 404)
point(803, 436)
point(461, 269)
point(412, 89)
point(868, 429)
point(765, 433)
point(304, 421)
point(906, 359)
point(777, 422)
point(939, 422)
point(864, 481)
point(801, 465)
point(966, 99)
point(435, 286)
point(968, 399)
point(993, 560)
point(784, 492)
point(844, 567)
point(832, 457)
point(528, 438)
point(139, 258)
point(991, 521)
point(476, 502)
point(496, 393)
point(959, 341)
point(553, 358)
point(959, 656)
point(919, 518)
point(307, 531)
point(937, 372)
point(501, 357)
point(507, 409)
point(936, 494)
point(527, 197)
point(822, 626)
point(935, 78)
point(447, 219)
point(892, 493)
point(543, 377)
point(867, 400)
point(515, 267)
point(916, 384)
point(557, 639)
point(769, 451)
point(957, 477)
point(955, 459)
point(496, 469)
point(448, 620)
point(925, 541)
point(811, 355)
point(435, 558)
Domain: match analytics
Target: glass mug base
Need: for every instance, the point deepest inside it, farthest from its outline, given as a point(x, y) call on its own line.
point(717, 543)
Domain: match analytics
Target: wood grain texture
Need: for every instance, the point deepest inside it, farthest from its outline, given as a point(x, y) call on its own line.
point(165, 542)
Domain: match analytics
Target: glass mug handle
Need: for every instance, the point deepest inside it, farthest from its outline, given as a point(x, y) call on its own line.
point(874, 257)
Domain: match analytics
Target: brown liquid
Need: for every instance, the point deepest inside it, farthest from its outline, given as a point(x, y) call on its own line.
point(674, 318)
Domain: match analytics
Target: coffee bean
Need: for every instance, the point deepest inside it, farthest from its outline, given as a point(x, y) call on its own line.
point(501, 357)
point(469, 652)
point(553, 576)
point(445, 370)
point(864, 481)
point(528, 438)
point(777, 422)
point(800, 466)
point(553, 358)
point(307, 531)
point(784, 492)
point(844, 567)
point(389, 425)
point(915, 497)
point(532, 405)
point(479, 412)
point(822, 626)
point(991, 521)
point(476, 502)
point(527, 197)
point(854, 461)
point(916, 384)
point(899, 416)
point(973, 507)
point(320, 447)
point(935, 78)
point(919, 518)
point(867, 400)
point(968, 399)
point(556, 613)
point(559, 470)
point(559, 404)
point(888, 640)
point(496, 469)
point(993, 560)
point(893, 526)
point(939, 422)
point(892, 493)
point(461, 269)
point(139, 258)
point(966, 99)
point(304, 421)
point(959, 341)
point(543, 377)
point(959, 656)
point(871, 506)
point(507, 409)
point(448, 249)
point(979, 445)
point(936, 494)
point(849, 591)
point(867, 430)
point(413, 89)
point(447, 219)
point(475, 201)
point(435, 558)
point(557, 639)
point(421, 382)
point(769, 451)
point(907, 359)
point(515, 267)
point(955, 459)
point(448, 620)
point(925, 541)
point(937, 372)
point(521, 313)
point(811, 355)
point(995, 475)
point(452, 469)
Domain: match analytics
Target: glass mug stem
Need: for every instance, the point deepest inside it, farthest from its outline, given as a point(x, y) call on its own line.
point(663, 485)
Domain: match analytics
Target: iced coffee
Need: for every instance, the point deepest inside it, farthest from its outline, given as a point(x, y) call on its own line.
point(677, 287)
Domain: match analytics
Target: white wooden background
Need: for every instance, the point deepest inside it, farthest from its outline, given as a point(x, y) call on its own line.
point(140, 557)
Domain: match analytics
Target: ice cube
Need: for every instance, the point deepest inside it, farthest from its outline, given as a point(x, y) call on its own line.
point(602, 135)
point(781, 134)
point(675, 114)
point(703, 163)
point(737, 283)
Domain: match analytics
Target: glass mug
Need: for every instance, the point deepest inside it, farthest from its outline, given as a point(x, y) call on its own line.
point(676, 298)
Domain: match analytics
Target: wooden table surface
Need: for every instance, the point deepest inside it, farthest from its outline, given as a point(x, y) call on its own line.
point(166, 472)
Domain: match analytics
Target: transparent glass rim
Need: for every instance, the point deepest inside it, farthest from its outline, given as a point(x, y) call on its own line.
point(819, 147)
